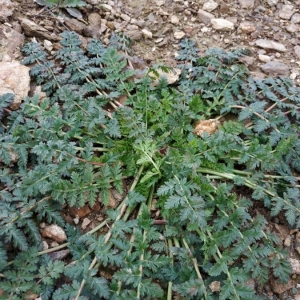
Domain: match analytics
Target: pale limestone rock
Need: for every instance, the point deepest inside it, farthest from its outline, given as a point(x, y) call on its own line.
point(246, 3)
point(286, 11)
point(247, 27)
point(269, 44)
point(14, 78)
point(292, 28)
point(174, 19)
point(295, 18)
point(210, 6)
point(147, 33)
point(178, 35)
point(295, 264)
point(272, 2)
point(55, 233)
point(297, 51)
point(222, 24)
point(6, 9)
point(264, 58)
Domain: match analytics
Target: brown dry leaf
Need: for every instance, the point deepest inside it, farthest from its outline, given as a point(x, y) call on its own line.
point(209, 126)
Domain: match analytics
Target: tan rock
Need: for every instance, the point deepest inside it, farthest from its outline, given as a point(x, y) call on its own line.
point(55, 233)
point(247, 27)
point(295, 264)
point(14, 77)
point(206, 126)
point(222, 24)
point(205, 16)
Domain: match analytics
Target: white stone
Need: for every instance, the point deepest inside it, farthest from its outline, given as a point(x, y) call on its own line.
point(264, 58)
point(295, 18)
point(246, 3)
point(6, 9)
point(106, 7)
point(269, 44)
point(222, 24)
point(272, 2)
point(292, 28)
point(210, 6)
point(178, 35)
point(147, 33)
point(286, 11)
point(126, 18)
point(15, 77)
point(174, 19)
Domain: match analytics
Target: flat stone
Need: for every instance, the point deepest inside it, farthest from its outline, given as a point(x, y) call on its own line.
point(275, 67)
point(147, 33)
point(125, 17)
point(174, 19)
point(32, 29)
point(292, 28)
point(297, 51)
point(15, 78)
point(205, 16)
point(269, 44)
point(272, 2)
point(6, 9)
point(286, 11)
point(246, 3)
point(264, 58)
point(75, 25)
point(222, 24)
point(210, 6)
point(247, 27)
point(295, 18)
point(178, 35)
point(135, 35)
point(85, 223)
point(55, 233)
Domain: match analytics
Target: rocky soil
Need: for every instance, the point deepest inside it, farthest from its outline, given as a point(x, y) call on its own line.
point(269, 28)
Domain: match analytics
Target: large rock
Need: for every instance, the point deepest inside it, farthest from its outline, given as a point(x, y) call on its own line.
point(222, 24)
point(14, 78)
point(32, 29)
point(286, 11)
point(6, 9)
point(11, 43)
point(276, 67)
point(269, 44)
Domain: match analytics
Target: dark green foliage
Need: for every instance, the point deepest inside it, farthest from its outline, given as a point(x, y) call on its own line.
point(189, 218)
